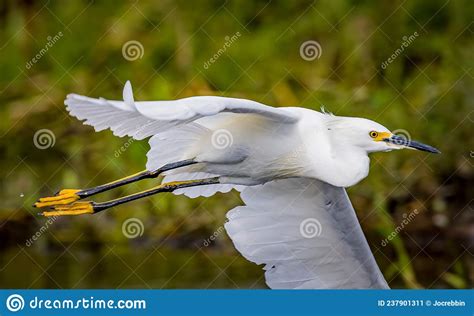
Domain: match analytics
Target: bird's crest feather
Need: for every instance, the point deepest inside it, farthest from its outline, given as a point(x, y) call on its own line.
point(324, 111)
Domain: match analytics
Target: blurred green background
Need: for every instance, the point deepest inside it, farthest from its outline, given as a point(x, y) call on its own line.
point(426, 90)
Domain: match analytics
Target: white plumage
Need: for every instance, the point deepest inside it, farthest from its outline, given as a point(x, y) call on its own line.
point(291, 165)
point(143, 119)
point(307, 235)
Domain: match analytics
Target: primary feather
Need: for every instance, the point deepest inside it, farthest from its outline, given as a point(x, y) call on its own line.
point(306, 234)
point(143, 119)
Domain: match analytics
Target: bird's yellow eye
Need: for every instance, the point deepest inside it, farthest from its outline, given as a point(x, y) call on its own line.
point(373, 134)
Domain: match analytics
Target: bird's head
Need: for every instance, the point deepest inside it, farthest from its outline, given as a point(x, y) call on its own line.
point(371, 136)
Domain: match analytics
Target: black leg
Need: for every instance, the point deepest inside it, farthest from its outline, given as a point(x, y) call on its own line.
point(68, 196)
point(165, 187)
point(133, 178)
point(89, 207)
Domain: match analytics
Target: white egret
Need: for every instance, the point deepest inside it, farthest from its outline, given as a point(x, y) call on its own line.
point(290, 164)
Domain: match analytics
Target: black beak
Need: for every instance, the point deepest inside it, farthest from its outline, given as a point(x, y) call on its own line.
point(402, 141)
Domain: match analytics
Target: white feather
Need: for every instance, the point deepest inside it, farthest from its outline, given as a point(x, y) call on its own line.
point(205, 190)
point(143, 119)
point(274, 228)
point(171, 123)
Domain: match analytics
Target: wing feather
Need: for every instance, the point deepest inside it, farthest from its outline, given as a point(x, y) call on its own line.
point(143, 119)
point(171, 123)
point(307, 235)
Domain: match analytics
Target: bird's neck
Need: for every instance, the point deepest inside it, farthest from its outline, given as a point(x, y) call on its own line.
point(333, 156)
point(354, 164)
point(344, 167)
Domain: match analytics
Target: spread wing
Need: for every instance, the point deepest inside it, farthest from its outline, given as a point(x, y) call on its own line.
point(142, 119)
point(307, 235)
point(175, 125)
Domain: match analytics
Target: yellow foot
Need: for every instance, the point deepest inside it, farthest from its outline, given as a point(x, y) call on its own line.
point(66, 196)
point(77, 208)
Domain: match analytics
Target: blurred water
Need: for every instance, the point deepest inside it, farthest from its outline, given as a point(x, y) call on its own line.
point(118, 267)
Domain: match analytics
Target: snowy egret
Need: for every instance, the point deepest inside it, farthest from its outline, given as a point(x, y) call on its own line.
point(290, 164)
